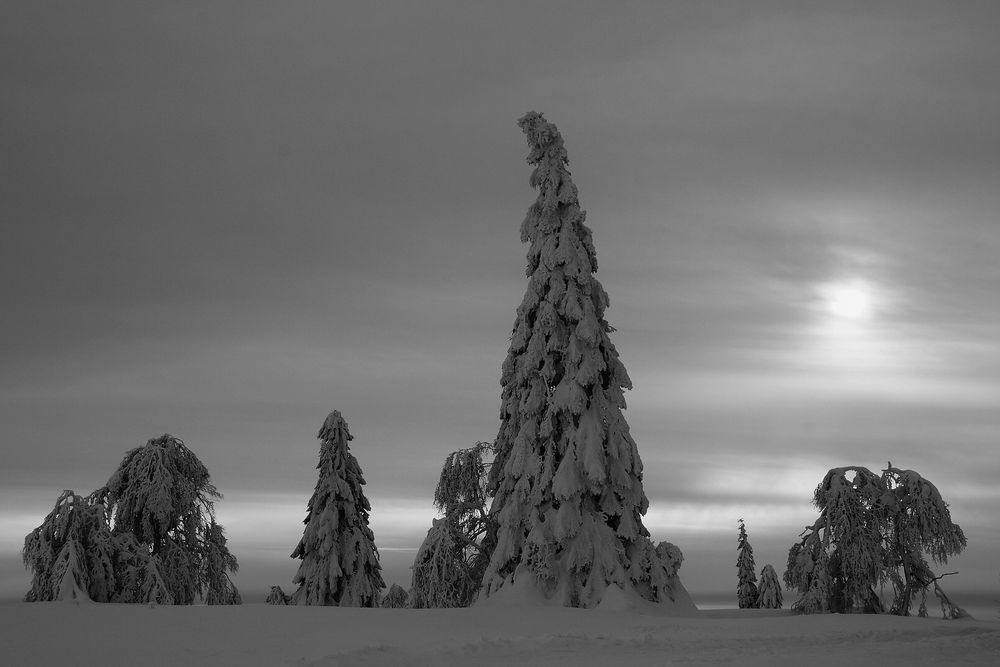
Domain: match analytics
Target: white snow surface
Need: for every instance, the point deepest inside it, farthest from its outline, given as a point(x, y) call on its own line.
point(58, 633)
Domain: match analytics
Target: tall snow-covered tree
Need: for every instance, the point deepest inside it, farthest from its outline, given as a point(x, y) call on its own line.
point(449, 565)
point(746, 588)
point(148, 535)
point(340, 564)
point(769, 591)
point(872, 529)
point(567, 477)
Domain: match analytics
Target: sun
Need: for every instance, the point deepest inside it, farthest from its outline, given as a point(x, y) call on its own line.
point(848, 300)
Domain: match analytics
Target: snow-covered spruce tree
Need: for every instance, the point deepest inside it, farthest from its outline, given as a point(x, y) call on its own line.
point(149, 535)
point(276, 596)
point(449, 566)
point(216, 562)
point(396, 598)
point(340, 564)
point(769, 591)
point(567, 478)
point(872, 529)
point(161, 498)
point(440, 578)
point(918, 521)
point(746, 588)
point(71, 555)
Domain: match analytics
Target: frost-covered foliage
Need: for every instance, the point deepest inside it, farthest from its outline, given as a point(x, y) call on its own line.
point(396, 598)
point(276, 596)
point(216, 561)
point(769, 591)
point(746, 587)
point(340, 564)
point(441, 577)
point(71, 554)
point(449, 566)
point(148, 535)
point(872, 530)
point(567, 478)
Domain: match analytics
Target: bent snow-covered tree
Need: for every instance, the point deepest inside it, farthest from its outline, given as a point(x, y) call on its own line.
point(449, 565)
point(340, 564)
point(872, 530)
point(567, 478)
point(746, 587)
point(148, 535)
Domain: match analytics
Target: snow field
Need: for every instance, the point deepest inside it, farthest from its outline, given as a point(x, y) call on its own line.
point(258, 634)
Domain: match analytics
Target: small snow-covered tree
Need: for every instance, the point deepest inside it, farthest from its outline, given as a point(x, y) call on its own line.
point(746, 588)
point(872, 529)
point(276, 596)
point(148, 535)
point(440, 578)
point(567, 477)
point(448, 568)
point(216, 563)
point(396, 598)
point(769, 591)
point(71, 554)
point(340, 564)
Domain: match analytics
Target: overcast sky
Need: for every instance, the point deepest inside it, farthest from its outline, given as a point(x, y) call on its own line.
point(225, 220)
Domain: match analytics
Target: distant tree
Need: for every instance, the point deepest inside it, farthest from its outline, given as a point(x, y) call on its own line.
point(396, 598)
point(340, 564)
point(769, 591)
point(872, 529)
point(746, 588)
point(567, 477)
point(276, 596)
point(148, 535)
point(449, 565)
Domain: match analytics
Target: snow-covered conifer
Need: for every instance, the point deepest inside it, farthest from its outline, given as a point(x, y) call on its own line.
point(70, 554)
point(440, 575)
point(396, 598)
point(276, 596)
point(769, 591)
point(919, 521)
point(448, 568)
point(216, 563)
point(746, 588)
point(149, 535)
point(162, 496)
point(871, 529)
point(567, 478)
point(340, 564)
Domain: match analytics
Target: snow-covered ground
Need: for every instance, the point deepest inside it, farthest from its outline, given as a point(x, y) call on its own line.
point(256, 634)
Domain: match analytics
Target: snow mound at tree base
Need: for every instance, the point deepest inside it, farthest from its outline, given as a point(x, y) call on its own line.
point(620, 600)
point(523, 592)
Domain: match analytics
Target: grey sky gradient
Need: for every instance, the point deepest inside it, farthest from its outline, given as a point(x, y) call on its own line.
point(224, 220)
